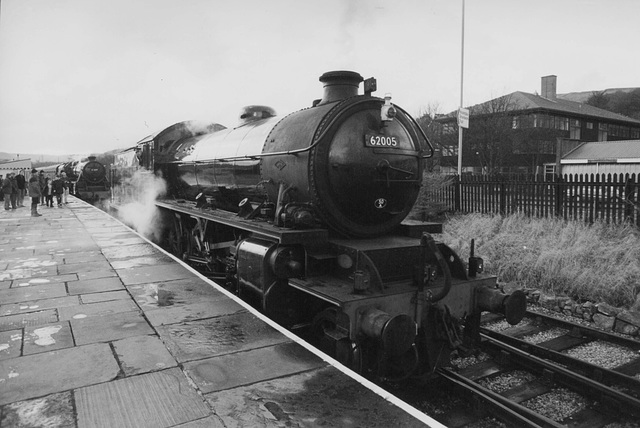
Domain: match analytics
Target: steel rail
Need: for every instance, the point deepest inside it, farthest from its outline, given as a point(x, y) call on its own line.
point(585, 330)
point(597, 373)
point(507, 410)
point(574, 381)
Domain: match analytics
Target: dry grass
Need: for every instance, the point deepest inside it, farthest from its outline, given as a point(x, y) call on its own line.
point(596, 262)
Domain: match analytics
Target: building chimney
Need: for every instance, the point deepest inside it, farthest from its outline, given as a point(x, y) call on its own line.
point(549, 87)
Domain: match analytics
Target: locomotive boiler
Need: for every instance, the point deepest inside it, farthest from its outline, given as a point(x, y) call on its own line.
point(303, 216)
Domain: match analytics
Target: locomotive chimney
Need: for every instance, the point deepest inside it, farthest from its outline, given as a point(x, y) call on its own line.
point(339, 85)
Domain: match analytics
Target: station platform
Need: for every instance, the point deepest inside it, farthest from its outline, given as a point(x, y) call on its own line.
point(101, 328)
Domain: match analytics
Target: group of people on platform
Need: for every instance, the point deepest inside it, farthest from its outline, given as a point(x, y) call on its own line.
point(41, 189)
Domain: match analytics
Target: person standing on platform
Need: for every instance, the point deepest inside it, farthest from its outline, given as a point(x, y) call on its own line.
point(14, 191)
point(1, 192)
point(48, 192)
point(6, 191)
point(58, 190)
point(22, 184)
point(65, 186)
point(41, 180)
point(35, 193)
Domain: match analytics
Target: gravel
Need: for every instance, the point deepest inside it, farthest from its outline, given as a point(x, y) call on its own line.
point(464, 362)
point(502, 325)
point(546, 335)
point(557, 404)
point(506, 381)
point(603, 354)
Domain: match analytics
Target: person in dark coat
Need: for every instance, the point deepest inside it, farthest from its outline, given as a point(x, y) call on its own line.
point(41, 180)
point(14, 191)
point(35, 193)
point(6, 191)
point(58, 189)
point(47, 192)
point(22, 187)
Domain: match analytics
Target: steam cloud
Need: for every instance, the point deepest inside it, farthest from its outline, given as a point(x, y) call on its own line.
point(137, 208)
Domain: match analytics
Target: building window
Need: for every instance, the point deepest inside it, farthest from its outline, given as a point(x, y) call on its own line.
point(449, 128)
point(449, 150)
point(634, 134)
point(589, 125)
point(602, 132)
point(574, 132)
point(562, 123)
point(515, 122)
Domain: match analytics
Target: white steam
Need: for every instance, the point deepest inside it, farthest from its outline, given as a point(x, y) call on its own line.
point(136, 203)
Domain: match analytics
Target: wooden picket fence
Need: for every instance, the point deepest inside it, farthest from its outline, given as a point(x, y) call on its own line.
point(613, 198)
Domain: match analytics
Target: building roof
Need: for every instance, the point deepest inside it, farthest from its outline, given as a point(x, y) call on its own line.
point(16, 165)
point(524, 101)
point(628, 150)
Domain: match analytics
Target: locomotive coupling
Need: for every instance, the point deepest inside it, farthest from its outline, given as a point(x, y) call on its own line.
point(396, 333)
point(513, 306)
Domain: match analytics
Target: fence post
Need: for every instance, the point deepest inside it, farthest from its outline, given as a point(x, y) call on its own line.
point(629, 206)
point(457, 192)
point(557, 200)
point(503, 195)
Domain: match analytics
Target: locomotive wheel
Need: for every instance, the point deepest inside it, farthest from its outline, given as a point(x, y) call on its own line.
point(178, 239)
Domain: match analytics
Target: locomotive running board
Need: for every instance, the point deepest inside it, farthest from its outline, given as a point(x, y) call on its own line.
point(257, 227)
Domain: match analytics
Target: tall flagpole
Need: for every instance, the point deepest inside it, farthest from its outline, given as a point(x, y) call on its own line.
point(461, 97)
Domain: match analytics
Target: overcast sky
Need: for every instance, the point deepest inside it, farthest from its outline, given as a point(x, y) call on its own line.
point(88, 76)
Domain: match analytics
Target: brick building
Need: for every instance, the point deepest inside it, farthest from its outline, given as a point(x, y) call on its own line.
point(522, 132)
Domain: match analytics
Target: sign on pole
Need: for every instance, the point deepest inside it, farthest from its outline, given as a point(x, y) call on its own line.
point(463, 118)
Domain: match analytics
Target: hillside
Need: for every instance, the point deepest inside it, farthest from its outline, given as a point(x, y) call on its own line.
point(582, 97)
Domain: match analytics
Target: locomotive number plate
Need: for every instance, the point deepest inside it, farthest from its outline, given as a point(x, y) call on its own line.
point(371, 140)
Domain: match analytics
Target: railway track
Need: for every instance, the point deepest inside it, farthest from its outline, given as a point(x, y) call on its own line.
point(541, 374)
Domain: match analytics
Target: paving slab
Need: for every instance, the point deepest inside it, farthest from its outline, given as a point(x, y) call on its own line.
point(156, 295)
point(35, 292)
point(129, 251)
point(154, 400)
point(38, 305)
point(56, 371)
point(48, 337)
point(109, 327)
point(146, 274)
point(193, 311)
point(52, 279)
point(95, 285)
point(143, 354)
point(104, 297)
point(84, 267)
point(12, 322)
point(135, 262)
point(323, 397)
point(217, 336)
point(55, 410)
point(10, 344)
point(122, 241)
point(257, 365)
point(106, 273)
point(97, 309)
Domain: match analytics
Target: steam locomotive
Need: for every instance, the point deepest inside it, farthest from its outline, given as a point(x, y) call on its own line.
point(89, 179)
point(304, 217)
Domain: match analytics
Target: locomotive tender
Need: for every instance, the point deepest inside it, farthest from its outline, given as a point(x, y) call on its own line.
point(302, 216)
